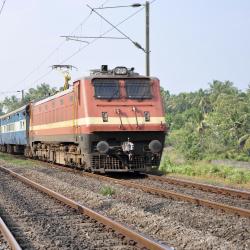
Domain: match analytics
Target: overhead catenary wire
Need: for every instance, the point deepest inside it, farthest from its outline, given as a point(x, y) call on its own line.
point(51, 53)
point(57, 48)
point(1, 10)
point(88, 37)
point(103, 34)
point(54, 51)
point(106, 32)
point(115, 27)
point(92, 41)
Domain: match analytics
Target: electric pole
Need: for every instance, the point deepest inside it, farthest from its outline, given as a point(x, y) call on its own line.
point(147, 49)
point(22, 92)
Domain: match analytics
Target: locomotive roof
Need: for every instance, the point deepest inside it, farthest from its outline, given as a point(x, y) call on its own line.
point(113, 77)
point(62, 93)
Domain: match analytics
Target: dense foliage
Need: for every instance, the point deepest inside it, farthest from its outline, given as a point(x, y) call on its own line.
point(211, 123)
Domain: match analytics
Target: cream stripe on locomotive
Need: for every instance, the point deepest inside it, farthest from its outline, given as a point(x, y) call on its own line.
point(13, 127)
point(98, 121)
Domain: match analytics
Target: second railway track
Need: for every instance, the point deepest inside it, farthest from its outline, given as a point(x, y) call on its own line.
point(159, 189)
point(201, 186)
point(40, 222)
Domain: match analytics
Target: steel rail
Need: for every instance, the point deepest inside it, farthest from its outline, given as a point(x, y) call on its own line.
point(8, 236)
point(123, 230)
point(174, 195)
point(201, 186)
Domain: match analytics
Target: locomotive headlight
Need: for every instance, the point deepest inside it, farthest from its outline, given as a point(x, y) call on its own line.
point(147, 116)
point(102, 147)
point(121, 71)
point(155, 146)
point(105, 117)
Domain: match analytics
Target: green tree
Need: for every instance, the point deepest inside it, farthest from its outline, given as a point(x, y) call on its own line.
point(41, 91)
point(11, 103)
point(209, 122)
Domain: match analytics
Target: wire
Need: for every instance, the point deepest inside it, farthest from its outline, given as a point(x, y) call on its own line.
point(1, 10)
point(111, 24)
point(106, 32)
point(51, 53)
point(7, 92)
point(103, 34)
point(55, 50)
point(92, 41)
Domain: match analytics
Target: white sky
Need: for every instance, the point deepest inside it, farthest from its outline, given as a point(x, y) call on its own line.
point(192, 41)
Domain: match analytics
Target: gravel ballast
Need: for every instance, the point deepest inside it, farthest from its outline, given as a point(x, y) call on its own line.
point(40, 222)
point(3, 244)
point(180, 224)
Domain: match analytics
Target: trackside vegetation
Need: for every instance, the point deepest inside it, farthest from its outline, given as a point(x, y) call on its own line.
point(107, 191)
point(16, 160)
point(210, 124)
point(206, 171)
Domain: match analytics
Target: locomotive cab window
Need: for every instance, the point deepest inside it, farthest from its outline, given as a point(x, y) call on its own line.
point(106, 88)
point(138, 89)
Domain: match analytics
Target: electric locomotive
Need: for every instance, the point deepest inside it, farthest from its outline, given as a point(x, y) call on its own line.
point(109, 121)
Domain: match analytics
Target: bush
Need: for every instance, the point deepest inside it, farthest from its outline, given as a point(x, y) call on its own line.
point(203, 169)
point(107, 191)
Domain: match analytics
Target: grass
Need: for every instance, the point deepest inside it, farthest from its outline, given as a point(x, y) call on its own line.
point(15, 160)
point(107, 191)
point(205, 171)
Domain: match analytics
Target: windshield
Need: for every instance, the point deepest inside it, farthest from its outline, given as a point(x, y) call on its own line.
point(138, 89)
point(106, 88)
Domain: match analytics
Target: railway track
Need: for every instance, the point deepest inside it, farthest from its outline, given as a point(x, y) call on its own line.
point(174, 195)
point(171, 221)
point(151, 189)
point(8, 240)
point(148, 188)
point(204, 187)
point(27, 204)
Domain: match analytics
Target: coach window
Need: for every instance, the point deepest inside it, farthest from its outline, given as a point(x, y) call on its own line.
point(138, 89)
point(106, 88)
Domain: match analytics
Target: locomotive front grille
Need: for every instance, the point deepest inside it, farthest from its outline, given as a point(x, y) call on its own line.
point(107, 163)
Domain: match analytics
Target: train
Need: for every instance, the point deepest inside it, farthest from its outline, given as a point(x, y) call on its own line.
point(109, 121)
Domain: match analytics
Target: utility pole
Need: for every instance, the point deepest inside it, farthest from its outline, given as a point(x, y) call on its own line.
point(22, 95)
point(22, 92)
point(147, 49)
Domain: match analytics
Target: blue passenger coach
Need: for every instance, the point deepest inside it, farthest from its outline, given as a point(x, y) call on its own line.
point(14, 130)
